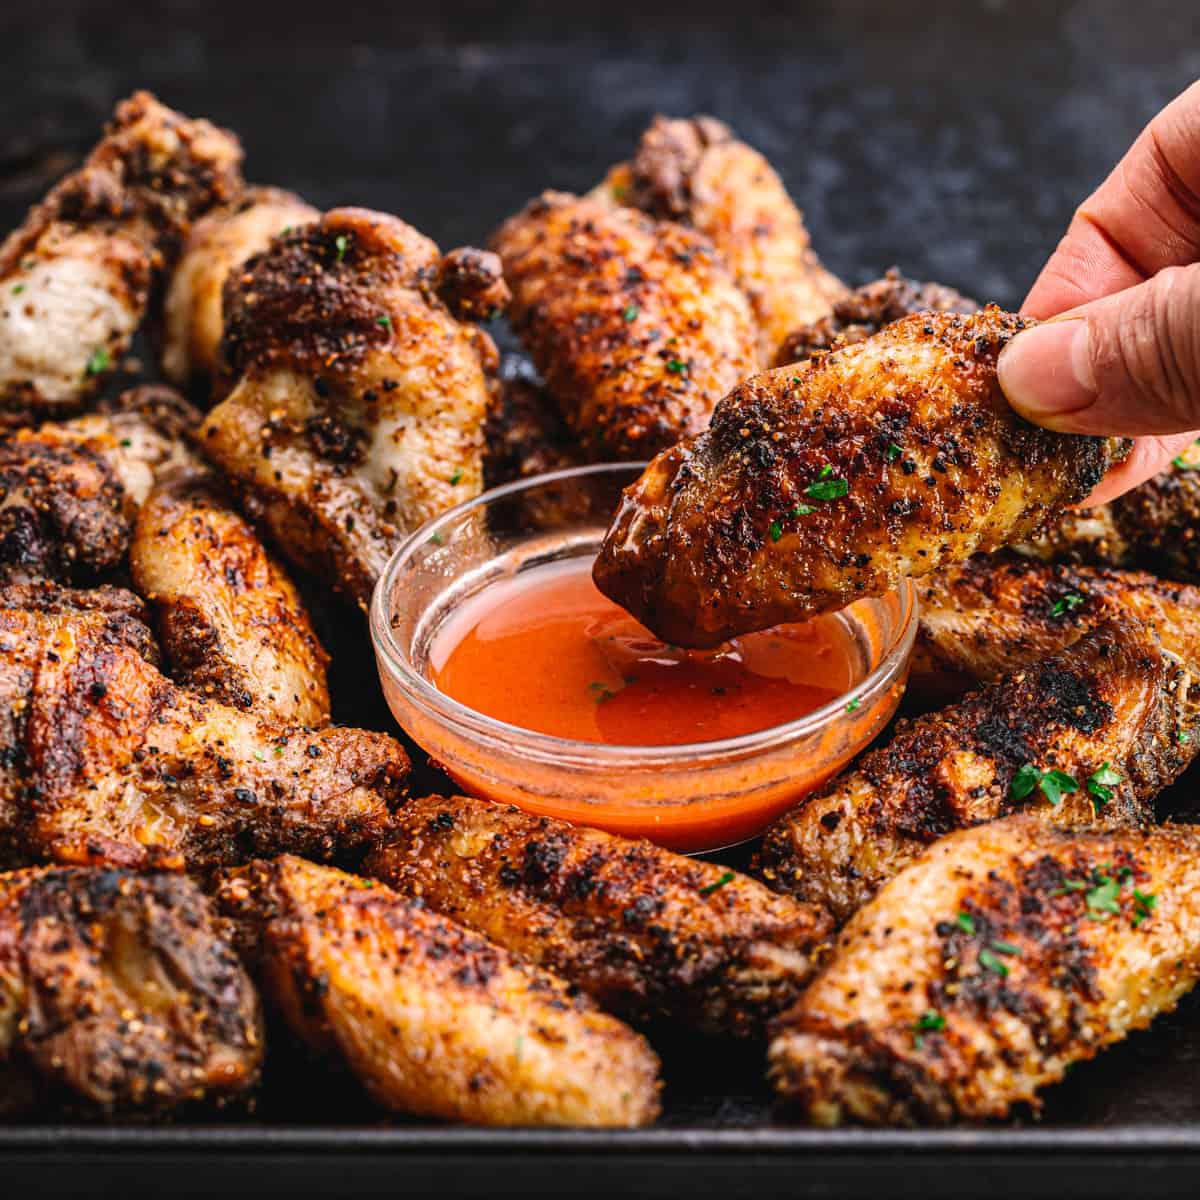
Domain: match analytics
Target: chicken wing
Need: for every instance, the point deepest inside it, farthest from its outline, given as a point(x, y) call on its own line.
point(76, 278)
point(359, 403)
point(997, 613)
point(117, 764)
point(644, 931)
point(119, 993)
point(433, 1019)
point(999, 958)
point(866, 310)
point(636, 325)
point(219, 245)
point(231, 622)
point(696, 172)
point(1087, 737)
point(833, 479)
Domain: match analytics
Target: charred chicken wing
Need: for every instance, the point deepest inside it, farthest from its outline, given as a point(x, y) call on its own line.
point(1087, 737)
point(999, 958)
point(642, 930)
point(833, 479)
point(76, 277)
point(433, 1019)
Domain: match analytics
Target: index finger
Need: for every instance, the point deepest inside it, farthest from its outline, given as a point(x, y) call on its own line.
point(1145, 216)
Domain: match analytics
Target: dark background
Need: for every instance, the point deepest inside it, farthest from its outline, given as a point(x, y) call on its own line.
point(951, 138)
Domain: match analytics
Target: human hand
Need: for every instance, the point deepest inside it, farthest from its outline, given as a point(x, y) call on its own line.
point(1122, 354)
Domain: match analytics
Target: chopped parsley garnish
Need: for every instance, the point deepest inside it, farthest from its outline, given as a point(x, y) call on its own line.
point(992, 962)
point(894, 451)
point(601, 692)
point(717, 884)
point(965, 922)
point(1144, 903)
point(100, 360)
point(1006, 948)
point(456, 478)
point(342, 244)
point(676, 366)
point(1054, 784)
point(20, 287)
point(825, 471)
point(260, 756)
point(802, 510)
point(853, 704)
point(278, 751)
point(436, 539)
point(1066, 604)
point(126, 443)
point(776, 531)
point(1181, 464)
point(384, 322)
point(1183, 737)
point(631, 312)
point(1104, 898)
point(1101, 783)
point(827, 489)
point(931, 1021)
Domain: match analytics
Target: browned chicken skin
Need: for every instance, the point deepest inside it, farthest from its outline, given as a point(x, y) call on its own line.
point(231, 622)
point(999, 958)
point(114, 763)
point(76, 278)
point(359, 403)
point(524, 434)
point(866, 310)
point(644, 931)
point(433, 1019)
point(1110, 712)
point(635, 324)
point(118, 993)
point(997, 613)
point(696, 172)
point(835, 478)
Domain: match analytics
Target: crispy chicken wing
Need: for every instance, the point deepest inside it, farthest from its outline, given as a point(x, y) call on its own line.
point(115, 763)
point(696, 172)
point(833, 479)
point(119, 993)
point(219, 244)
point(231, 622)
point(866, 310)
point(1087, 737)
point(433, 1019)
point(359, 403)
point(997, 613)
point(524, 434)
point(75, 279)
point(999, 958)
point(636, 325)
point(644, 931)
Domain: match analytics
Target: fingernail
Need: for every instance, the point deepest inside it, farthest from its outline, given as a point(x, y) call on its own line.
point(1047, 370)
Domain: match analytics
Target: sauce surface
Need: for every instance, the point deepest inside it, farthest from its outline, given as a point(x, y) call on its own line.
point(546, 651)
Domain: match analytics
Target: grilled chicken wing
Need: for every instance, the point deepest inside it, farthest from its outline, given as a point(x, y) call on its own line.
point(997, 613)
point(359, 403)
point(219, 244)
point(866, 310)
point(833, 479)
point(231, 622)
point(1087, 737)
point(115, 763)
point(696, 172)
point(434, 1020)
point(642, 930)
point(524, 434)
point(69, 489)
point(999, 958)
point(119, 993)
point(75, 279)
point(636, 325)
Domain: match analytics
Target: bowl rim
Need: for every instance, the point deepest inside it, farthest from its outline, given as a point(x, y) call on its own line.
point(551, 748)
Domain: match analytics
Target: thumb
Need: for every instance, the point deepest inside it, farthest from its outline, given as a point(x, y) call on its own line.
point(1128, 364)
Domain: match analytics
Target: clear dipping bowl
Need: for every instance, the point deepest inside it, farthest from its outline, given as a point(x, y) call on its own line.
point(691, 797)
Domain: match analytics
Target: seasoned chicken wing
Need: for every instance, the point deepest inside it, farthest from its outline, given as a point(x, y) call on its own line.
point(696, 172)
point(636, 325)
point(69, 489)
point(524, 434)
point(119, 993)
point(978, 976)
point(116, 764)
point(833, 479)
point(219, 244)
point(642, 930)
point(1087, 737)
point(997, 613)
point(231, 622)
point(359, 403)
point(433, 1019)
point(75, 279)
point(866, 310)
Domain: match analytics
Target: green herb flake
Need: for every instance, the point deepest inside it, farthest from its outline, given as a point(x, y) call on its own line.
point(631, 312)
point(802, 510)
point(436, 539)
point(717, 884)
point(1006, 948)
point(1104, 898)
point(965, 922)
point(676, 366)
point(456, 478)
point(825, 472)
point(100, 360)
point(992, 962)
point(342, 244)
point(278, 751)
point(1066, 604)
point(1180, 464)
point(827, 489)
point(930, 1021)
point(776, 531)
point(260, 756)
point(1024, 781)
point(126, 443)
point(1100, 785)
point(894, 451)
point(1144, 903)
point(1057, 784)
point(1183, 737)
point(601, 692)
point(853, 704)
point(384, 322)
point(20, 287)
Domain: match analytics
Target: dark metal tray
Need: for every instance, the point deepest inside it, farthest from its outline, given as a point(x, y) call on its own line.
point(953, 137)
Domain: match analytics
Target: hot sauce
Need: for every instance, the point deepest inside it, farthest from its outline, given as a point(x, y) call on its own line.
point(547, 652)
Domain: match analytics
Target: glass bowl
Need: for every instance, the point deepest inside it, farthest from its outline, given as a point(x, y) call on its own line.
point(690, 797)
